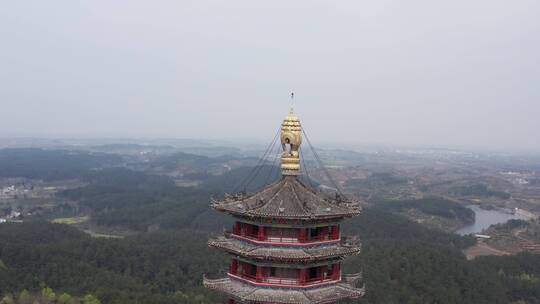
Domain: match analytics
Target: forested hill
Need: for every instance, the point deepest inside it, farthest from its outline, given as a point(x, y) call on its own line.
point(403, 262)
point(430, 205)
point(51, 164)
point(435, 212)
point(148, 268)
point(136, 200)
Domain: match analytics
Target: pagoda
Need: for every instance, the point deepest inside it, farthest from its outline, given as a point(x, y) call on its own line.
point(286, 244)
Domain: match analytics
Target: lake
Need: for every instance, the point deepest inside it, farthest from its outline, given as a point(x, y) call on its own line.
point(486, 218)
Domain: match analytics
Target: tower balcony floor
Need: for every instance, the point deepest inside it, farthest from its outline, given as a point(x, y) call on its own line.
point(282, 282)
point(248, 293)
point(345, 247)
point(285, 241)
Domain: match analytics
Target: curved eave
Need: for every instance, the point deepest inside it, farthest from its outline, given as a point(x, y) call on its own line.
point(333, 216)
point(287, 198)
point(246, 293)
point(285, 254)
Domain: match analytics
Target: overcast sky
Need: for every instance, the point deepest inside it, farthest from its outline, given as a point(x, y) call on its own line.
point(451, 73)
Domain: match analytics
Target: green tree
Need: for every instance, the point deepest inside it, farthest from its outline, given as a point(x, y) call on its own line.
point(64, 298)
point(25, 298)
point(90, 299)
point(48, 294)
point(8, 299)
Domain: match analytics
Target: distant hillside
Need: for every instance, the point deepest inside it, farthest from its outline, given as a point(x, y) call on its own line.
point(136, 200)
point(435, 212)
point(130, 148)
point(187, 163)
point(174, 160)
point(480, 190)
point(376, 179)
point(244, 178)
point(52, 164)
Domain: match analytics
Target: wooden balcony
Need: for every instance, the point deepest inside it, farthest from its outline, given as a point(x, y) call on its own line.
point(261, 234)
point(302, 253)
point(284, 241)
point(251, 293)
point(283, 282)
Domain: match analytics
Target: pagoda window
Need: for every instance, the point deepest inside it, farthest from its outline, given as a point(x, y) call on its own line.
point(320, 273)
point(254, 232)
point(237, 228)
point(248, 230)
point(313, 274)
point(318, 234)
point(334, 232)
point(286, 276)
point(329, 271)
point(282, 235)
point(336, 271)
point(247, 270)
point(282, 276)
point(322, 234)
point(324, 273)
point(286, 273)
point(234, 266)
point(251, 270)
point(286, 235)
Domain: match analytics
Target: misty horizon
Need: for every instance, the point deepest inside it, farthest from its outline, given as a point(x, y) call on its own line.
point(458, 74)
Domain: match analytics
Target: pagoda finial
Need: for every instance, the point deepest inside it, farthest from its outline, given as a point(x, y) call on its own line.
point(291, 111)
point(291, 139)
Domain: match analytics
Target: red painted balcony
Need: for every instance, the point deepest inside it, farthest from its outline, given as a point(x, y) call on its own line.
point(286, 236)
point(283, 282)
point(284, 277)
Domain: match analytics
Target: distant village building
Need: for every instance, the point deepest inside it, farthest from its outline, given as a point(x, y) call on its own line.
point(286, 242)
point(13, 216)
point(482, 236)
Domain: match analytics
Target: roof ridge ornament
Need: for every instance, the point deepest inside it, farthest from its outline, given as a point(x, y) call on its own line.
point(291, 139)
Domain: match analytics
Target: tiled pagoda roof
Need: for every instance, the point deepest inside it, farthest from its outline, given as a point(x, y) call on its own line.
point(346, 247)
point(288, 198)
point(247, 293)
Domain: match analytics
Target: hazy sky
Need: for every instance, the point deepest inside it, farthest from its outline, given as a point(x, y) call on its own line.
point(454, 73)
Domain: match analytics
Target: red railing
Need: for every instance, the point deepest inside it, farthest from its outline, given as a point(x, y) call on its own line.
point(282, 239)
point(288, 236)
point(318, 280)
point(286, 282)
point(269, 238)
point(250, 236)
point(320, 238)
point(285, 240)
point(247, 276)
point(281, 281)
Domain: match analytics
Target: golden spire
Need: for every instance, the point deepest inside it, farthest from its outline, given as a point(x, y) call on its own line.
point(291, 139)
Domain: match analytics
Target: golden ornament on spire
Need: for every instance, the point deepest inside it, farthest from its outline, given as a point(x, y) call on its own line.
point(291, 139)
